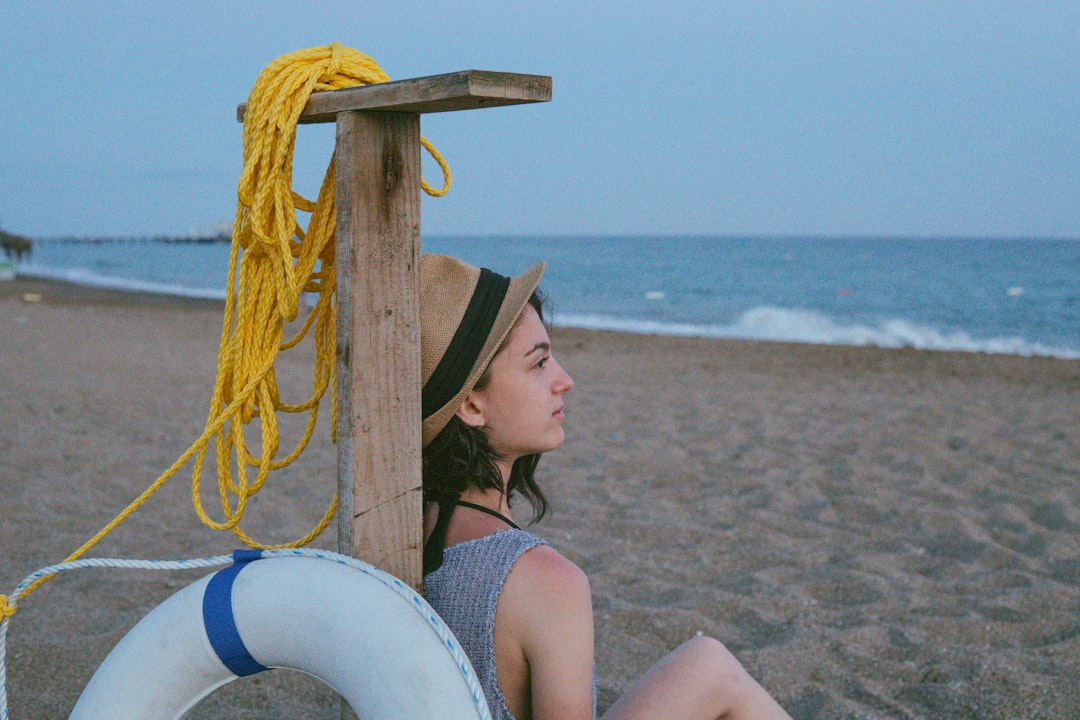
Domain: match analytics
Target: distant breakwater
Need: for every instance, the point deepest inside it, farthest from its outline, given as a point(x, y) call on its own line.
point(15, 246)
point(167, 239)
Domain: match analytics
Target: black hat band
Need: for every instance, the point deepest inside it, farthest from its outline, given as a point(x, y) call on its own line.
point(457, 362)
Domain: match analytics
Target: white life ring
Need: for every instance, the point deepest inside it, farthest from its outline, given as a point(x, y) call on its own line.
point(361, 631)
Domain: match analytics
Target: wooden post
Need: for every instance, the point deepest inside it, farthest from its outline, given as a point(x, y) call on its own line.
point(377, 164)
point(377, 161)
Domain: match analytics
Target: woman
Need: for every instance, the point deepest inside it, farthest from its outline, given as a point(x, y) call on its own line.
point(493, 401)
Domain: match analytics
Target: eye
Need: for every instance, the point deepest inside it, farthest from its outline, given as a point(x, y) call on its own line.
point(543, 362)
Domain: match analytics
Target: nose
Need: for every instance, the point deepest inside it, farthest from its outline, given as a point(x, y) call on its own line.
point(562, 382)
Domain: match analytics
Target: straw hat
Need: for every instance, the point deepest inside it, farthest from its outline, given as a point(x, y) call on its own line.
point(465, 314)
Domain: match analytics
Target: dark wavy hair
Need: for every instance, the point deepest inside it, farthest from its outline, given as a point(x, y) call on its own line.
point(460, 456)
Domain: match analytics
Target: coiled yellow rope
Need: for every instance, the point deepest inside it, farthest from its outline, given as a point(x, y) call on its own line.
point(272, 261)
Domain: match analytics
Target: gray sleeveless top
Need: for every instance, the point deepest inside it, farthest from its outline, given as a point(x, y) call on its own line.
point(465, 590)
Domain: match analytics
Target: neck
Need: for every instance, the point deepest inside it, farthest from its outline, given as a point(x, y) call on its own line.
point(491, 499)
point(506, 467)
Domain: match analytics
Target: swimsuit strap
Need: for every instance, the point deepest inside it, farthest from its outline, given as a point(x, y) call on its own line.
point(489, 511)
point(433, 548)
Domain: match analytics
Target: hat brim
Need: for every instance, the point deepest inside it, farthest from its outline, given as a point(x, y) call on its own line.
point(517, 297)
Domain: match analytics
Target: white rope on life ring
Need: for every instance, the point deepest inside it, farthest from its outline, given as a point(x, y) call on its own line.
point(358, 629)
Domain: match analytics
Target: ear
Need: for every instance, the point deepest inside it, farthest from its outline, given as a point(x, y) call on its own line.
point(471, 411)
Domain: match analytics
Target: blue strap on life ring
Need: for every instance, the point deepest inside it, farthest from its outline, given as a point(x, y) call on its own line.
point(219, 621)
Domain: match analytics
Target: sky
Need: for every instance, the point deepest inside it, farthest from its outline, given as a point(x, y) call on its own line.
point(692, 117)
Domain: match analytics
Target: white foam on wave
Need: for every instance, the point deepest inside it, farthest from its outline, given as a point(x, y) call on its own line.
point(805, 326)
point(82, 276)
point(761, 323)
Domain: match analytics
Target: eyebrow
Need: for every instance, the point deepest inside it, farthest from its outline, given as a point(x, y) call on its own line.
point(546, 347)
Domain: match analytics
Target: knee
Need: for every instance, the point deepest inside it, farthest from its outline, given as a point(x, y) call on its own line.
point(721, 670)
point(710, 652)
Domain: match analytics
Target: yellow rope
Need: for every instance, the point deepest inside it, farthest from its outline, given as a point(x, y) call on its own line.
point(272, 261)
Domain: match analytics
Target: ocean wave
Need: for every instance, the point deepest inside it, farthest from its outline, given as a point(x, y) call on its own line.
point(767, 323)
point(81, 276)
point(777, 324)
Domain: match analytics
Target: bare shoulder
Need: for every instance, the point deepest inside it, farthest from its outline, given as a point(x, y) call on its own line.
point(543, 570)
point(545, 586)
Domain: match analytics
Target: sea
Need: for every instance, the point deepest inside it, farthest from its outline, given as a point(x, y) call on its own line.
point(1011, 296)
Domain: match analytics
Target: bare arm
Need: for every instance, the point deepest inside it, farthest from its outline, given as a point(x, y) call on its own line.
point(545, 614)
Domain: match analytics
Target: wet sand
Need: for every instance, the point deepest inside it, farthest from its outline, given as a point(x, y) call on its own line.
point(875, 533)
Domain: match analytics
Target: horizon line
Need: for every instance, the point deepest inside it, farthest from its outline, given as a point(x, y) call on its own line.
point(226, 237)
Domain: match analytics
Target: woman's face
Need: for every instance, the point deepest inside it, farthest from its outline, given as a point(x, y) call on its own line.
point(521, 407)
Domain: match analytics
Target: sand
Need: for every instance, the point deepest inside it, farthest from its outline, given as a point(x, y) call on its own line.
point(875, 533)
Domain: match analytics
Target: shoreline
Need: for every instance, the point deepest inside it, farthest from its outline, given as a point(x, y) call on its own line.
point(874, 532)
point(64, 290)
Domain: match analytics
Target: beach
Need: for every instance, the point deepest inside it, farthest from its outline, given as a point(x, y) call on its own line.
point(874, 533)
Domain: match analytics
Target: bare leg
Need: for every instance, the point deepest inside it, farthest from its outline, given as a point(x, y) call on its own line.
point(699, 680)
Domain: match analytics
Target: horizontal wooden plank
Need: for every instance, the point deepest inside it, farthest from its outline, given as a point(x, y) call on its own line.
point(464, 90)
